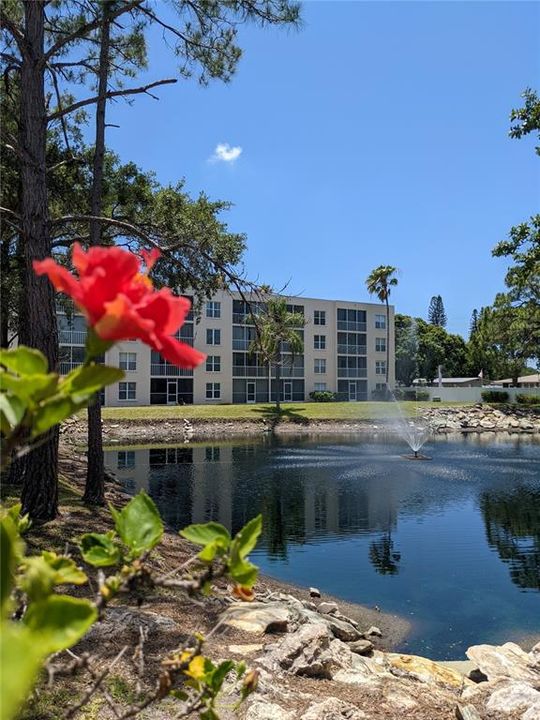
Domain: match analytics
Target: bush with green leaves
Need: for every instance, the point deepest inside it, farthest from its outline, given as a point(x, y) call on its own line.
point(322, 396)
point(523, 399)
point(33, 400)
point(37, 621)
point(495, 396)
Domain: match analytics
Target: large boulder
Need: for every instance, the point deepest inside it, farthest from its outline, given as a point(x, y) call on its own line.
point(257, 618)
point(424, 670)
point(513, 696)
point(505, 661)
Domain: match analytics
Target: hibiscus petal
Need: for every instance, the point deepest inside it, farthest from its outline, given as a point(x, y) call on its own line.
point(121, 321)
point(79, 259)
point(59, 276)
point(178, 353)
point(150, 257)
point(167, 310)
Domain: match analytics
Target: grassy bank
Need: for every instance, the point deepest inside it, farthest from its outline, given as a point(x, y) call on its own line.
point(294, 411)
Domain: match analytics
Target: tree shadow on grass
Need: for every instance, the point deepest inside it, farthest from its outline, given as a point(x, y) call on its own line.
point(274, 417)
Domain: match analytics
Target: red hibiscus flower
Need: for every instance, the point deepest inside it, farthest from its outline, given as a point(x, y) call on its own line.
point(120, 303)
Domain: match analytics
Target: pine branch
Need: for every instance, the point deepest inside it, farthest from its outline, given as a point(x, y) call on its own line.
point(113, 93)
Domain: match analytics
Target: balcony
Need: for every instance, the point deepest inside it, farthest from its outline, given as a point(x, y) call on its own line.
point(352, 372)
point(241, 344)
point(290, 372)
point(351, 349)
point(72, 337)
point(241, 318)
point(351, 326)
point(249, 371)
point(66, 367)
point(167, 370)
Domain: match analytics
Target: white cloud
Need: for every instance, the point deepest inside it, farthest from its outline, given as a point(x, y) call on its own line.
point(225, 153)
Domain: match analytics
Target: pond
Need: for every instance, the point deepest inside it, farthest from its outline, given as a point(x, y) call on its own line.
point(452, 544)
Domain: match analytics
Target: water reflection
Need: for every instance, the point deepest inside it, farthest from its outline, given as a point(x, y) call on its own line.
point(454, 541)
point(512, 521)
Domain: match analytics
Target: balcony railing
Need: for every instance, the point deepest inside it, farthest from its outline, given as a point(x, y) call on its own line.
point(241, 344)
point(290, 372)
point(169, 370)
point(72, 337)
point(241, 318)
point(352, 372)
point(186, 340)
point(351, 349)
point(67, 367)
point(249, 371)
point(351, 326)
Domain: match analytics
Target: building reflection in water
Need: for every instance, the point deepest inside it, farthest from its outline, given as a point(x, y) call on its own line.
point(231, 484)
point(322, 493)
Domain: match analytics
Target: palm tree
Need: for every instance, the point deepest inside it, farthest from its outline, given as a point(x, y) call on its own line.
point(276, 326)
point(378, 283)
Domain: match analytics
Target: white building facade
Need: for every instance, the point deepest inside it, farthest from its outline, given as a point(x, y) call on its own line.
point(344, 352)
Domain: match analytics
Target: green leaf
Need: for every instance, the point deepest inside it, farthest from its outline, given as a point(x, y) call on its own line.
point(139, 523)
point(10, 551)
point(12, 410)
point(24, 360)
point(37, 578)
point(244, 572)
point(95, 346)
point(99, 550)
point(206, 533)
point(65, 569)
point(219, 675)
point(88, 379)
point(20, 659)
point(59, 621)
point(247, 537)
point(30, 388)
point(51, 413)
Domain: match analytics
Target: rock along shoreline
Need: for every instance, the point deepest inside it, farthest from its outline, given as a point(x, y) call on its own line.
point(444, 420)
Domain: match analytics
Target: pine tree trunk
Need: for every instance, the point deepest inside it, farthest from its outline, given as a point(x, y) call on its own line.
point(38, 326)
point(94, 492)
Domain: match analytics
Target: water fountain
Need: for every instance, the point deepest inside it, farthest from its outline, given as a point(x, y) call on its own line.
point(415, 432)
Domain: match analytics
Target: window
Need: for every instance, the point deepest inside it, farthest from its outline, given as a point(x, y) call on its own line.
point(380, 344)
point(126, 459)
point(380, 386)
point(213, 391)
point(320, 387)
point(320, 365)
point(213, 309)
point(319, 317)
point(213, 337)
point(319, 342)
point(380, 367)
point(128, 361)
point(212, 454)
point(380, 322)
point(213, 363)
point(127, 391)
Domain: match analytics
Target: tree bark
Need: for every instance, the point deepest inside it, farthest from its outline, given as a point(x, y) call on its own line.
point(38, 326)
point(94, 492)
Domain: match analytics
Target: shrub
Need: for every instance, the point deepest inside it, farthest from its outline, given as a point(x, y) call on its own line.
point(322, 396)
point(528, 399)
point(415, 395)
point(494, 396)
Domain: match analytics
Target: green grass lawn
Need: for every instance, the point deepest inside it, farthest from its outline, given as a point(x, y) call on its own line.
point(296, 412)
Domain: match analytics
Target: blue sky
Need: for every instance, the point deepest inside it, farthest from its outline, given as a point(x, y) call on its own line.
point(377, 134)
